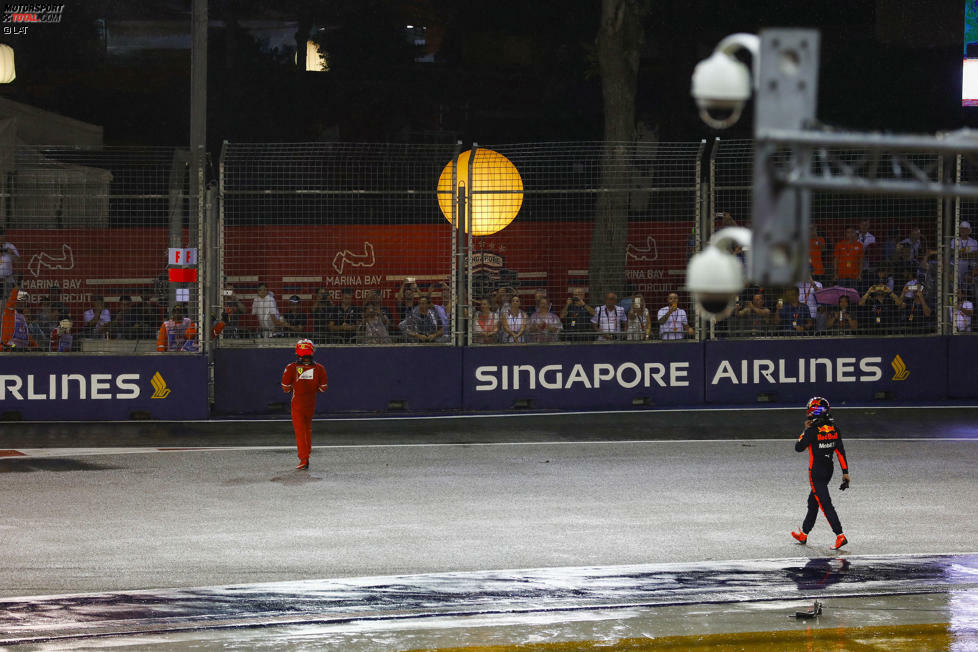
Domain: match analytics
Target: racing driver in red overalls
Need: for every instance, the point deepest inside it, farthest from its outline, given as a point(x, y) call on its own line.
point(303, 378)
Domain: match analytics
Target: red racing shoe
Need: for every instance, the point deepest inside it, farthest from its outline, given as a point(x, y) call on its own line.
point(800, 537)
point(840, 541)
point(303, 465)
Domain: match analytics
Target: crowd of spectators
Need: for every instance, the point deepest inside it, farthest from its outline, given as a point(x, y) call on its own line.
point(861, 284)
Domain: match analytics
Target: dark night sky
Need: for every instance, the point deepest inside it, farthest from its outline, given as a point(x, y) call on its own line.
point(505, 71)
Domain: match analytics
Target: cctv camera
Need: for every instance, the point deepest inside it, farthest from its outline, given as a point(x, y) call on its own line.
point(715, 276)
point(721, 88)
point(722, 84)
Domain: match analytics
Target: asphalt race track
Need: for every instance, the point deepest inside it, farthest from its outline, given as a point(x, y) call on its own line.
point(488, 531)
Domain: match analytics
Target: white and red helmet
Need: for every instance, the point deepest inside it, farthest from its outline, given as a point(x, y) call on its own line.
point(304, 348)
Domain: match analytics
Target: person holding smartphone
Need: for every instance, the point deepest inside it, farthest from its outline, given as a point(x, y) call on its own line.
point(639, 322)
point(576, 315)
point(842, 320)
point(673, 322)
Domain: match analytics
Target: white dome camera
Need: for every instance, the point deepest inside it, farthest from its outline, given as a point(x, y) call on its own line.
point(715, 276)
point(722, 84)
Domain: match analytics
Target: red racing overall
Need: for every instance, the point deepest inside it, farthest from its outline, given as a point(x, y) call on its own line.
point(303, 379)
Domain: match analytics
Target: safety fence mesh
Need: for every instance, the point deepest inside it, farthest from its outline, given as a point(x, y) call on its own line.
point(342, 243)
point(375, 244)
point(85, 239)
point(335, 242)
point(874, 259)
point(959, 251)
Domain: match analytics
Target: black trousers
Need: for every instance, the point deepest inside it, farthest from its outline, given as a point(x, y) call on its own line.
point(819, 498)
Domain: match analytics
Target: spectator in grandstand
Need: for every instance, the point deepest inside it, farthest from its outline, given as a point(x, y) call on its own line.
point(126, 319)
point(848, 260)
point(966, 249)
point(806, 292)
point(513, 323)
point(902, 264)
point(928, 271)
point(639, 325)
point(421, 324)
point(345, 319)
point(544, 325)
point(179, 333)
point(265, 309)
point(841, 320)
point(673, 322)
point(485, 326)
point(883, 277)
point(539, 294)
point(609, 320)
point(794, 317)
point(576, 316)
point(504, 295)
point(879, 310)
point(226, 320)
point(296, 318)
point(61, 340)
point(97, 319)
point(161, 288)
point(816, 246)
point(321, 310)
point(149, 317)
point(961, 312)
point(14, 330)
point(374, 327)
point(406, 298)
point(914, 244)
point(58, 306)
point(865, 238)
point(442, 310)
point(46, 316)
point(915, 315)
point(754, 319)
point(7, 254)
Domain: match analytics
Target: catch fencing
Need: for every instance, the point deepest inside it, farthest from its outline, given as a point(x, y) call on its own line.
point(342, 242)
point(878, 263)
point(86, 239)
point(507, 244)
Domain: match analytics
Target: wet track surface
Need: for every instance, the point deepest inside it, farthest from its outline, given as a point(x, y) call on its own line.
point(627, 540)
point(554, 593)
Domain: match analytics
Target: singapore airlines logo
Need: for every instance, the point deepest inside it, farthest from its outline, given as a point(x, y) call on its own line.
point(160, 390)
point(347, 257)
point(900, 371)
point(648, 254)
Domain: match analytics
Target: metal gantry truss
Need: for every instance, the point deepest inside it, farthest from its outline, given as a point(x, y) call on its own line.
point(794, 156)
point(870, 163)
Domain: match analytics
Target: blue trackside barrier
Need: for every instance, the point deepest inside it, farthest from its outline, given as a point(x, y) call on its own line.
point(850, 370)
point(432, 379)
point(103, 388)
point(361, 379)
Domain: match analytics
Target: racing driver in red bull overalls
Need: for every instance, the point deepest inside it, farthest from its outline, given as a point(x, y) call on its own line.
point(823, 441)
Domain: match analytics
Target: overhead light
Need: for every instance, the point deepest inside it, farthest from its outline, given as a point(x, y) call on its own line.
point(7, 70)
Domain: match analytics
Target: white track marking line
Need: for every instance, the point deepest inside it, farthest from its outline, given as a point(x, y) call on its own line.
point(523, 415)
point(84, 452)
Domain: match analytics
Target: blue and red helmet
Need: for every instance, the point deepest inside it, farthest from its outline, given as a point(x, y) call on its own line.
point(818, 407)
point(304, 348)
